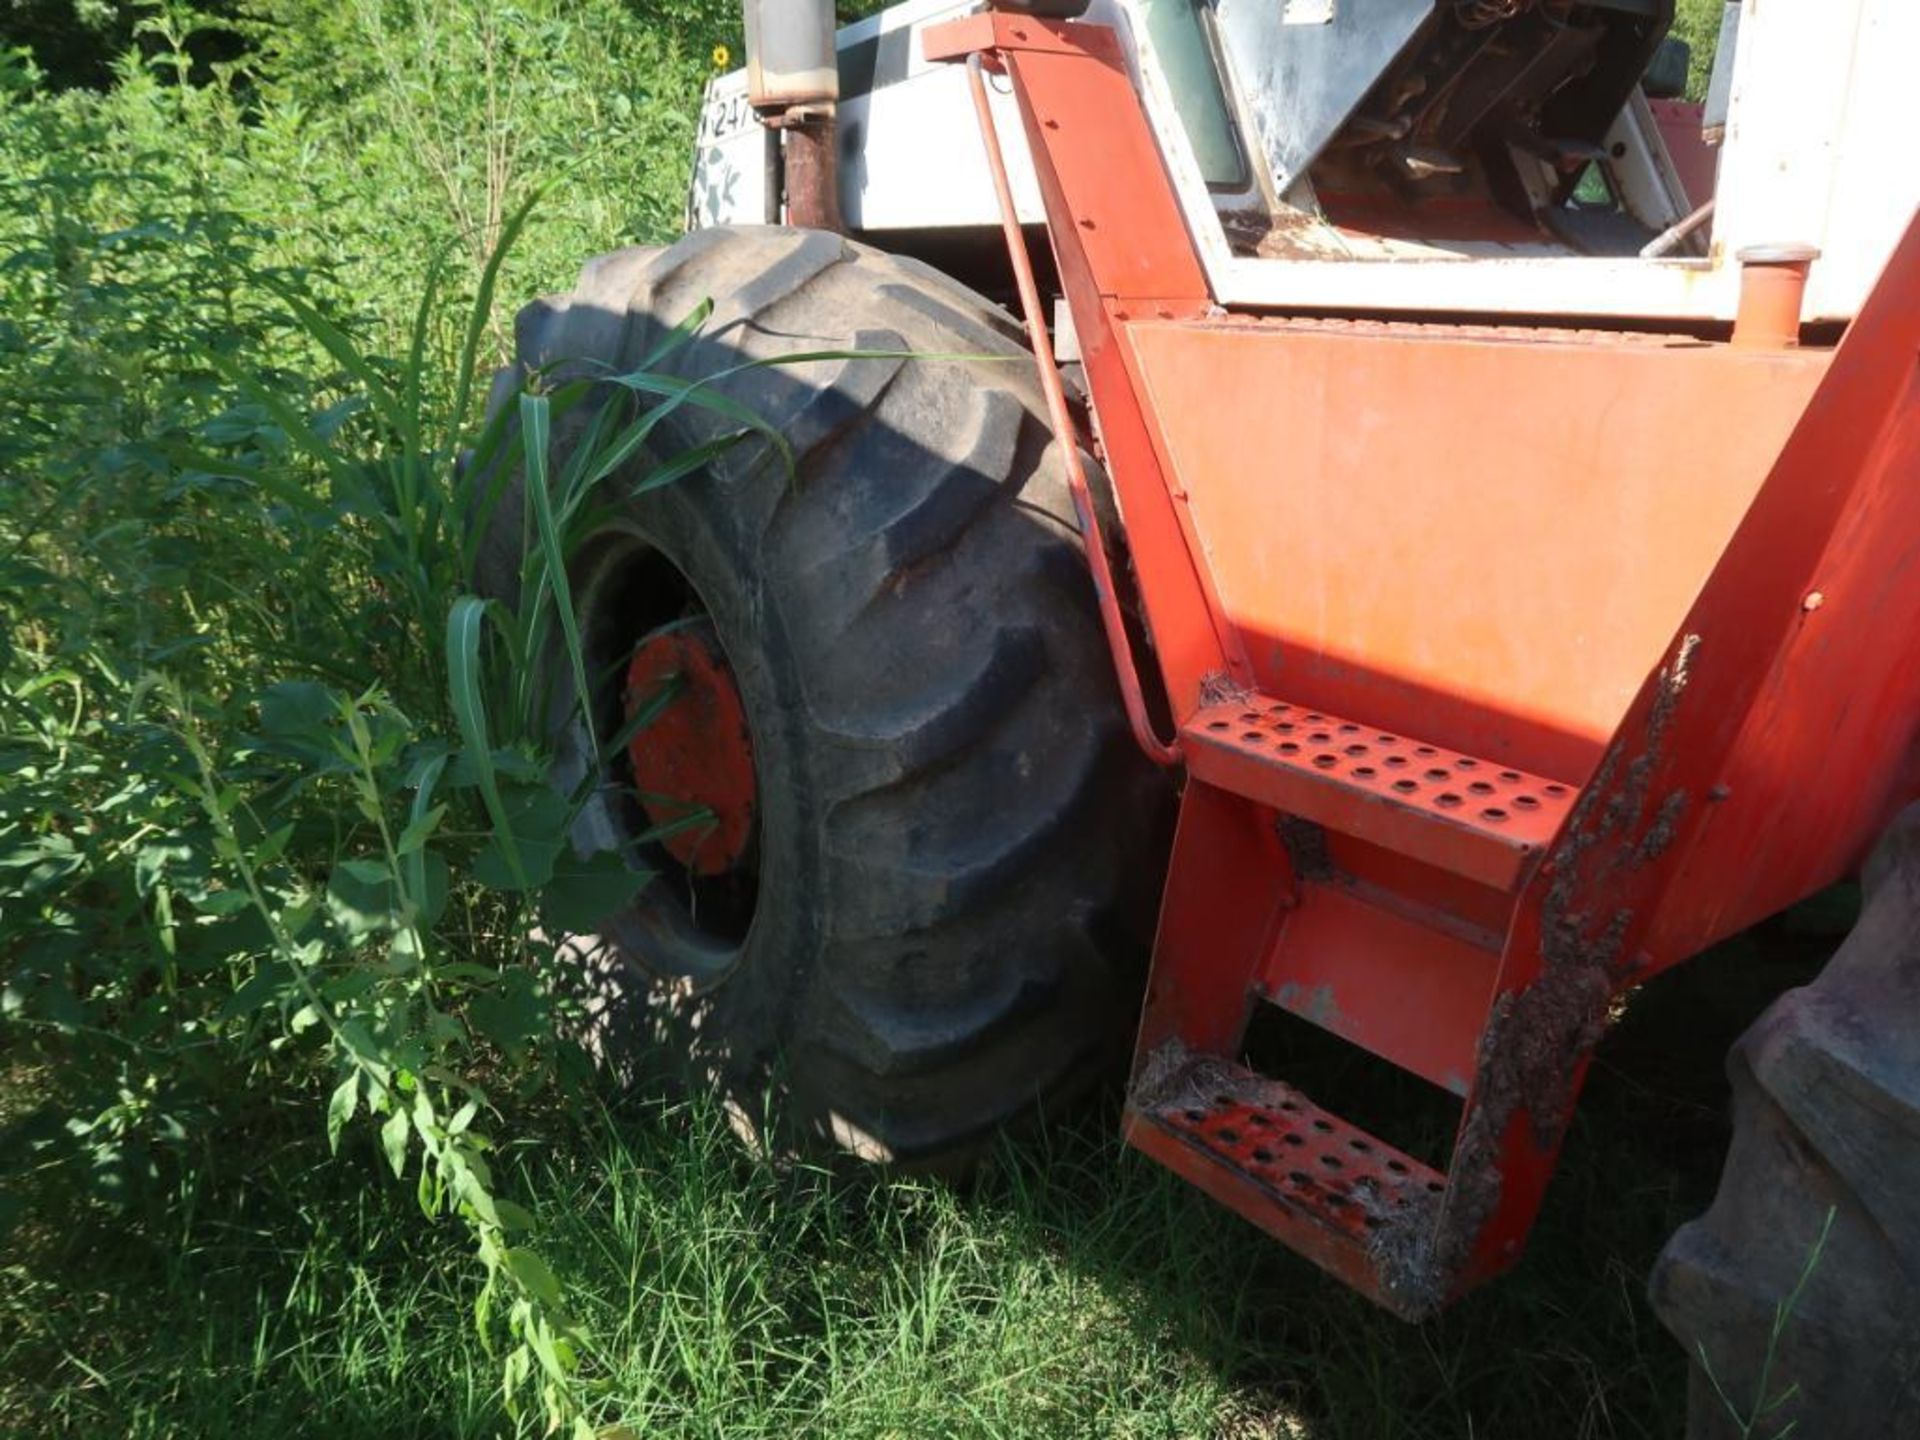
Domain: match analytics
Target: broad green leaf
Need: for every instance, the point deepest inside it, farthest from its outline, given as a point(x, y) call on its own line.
point(222, 902)
point(505, 764)
point(512, 1013)
point(362, 899)
point(474, 1194)
point(533, 1275)
point(515, 1370)
point(537, 817)
point(512, 1216)
point(264, 987)
point(354, 1033)
point(339, 989)
point(296, 708)
point(393, 1140)
point(346, 1099)
point(426, 1192)
point(268, 850)
point(418, 829)
point(548, 1350)
point(435, 883)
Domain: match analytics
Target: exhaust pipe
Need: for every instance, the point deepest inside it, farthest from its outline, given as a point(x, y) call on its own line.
point(793, 84)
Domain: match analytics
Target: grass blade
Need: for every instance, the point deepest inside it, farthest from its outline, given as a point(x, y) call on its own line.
point(647, 712)
point(297, 427)
point(477, 320)
point(346, 354)
point(533, 436)
point(416, 860)
point(417, 349)
point(688, 461)
point(466, 623)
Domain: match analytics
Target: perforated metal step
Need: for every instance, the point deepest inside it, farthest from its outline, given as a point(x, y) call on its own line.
point(1352, 1203)
point(1474, 817)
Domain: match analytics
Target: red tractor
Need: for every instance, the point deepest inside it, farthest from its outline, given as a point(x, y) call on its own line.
point(1497, 560)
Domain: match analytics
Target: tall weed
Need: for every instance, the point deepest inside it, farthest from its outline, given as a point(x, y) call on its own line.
point(276, 826)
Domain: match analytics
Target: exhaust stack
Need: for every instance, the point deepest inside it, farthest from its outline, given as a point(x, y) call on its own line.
point(793, 83)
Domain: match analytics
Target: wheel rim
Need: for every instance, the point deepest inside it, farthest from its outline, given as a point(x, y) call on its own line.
point(691, 753)
point(680, 791)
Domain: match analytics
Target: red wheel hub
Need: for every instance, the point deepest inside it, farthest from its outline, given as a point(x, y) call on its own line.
point(695, 754)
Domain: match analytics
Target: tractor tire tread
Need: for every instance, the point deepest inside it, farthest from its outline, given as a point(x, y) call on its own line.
point(1819, 1202)
point(979, 828)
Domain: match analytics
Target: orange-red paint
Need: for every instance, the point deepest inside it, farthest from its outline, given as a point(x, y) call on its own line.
point(1675, 578)
point(693, 761)
point(1480, 538)
point(1341, 945)
point(1773, 290)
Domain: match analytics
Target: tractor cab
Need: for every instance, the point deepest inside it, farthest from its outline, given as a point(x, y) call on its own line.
point(1527, 153)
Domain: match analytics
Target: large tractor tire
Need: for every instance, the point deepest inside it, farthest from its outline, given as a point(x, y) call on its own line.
point(1788, 1330)
point(920, 908)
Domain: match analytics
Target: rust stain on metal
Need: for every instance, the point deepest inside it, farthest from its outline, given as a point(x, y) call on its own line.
point(1361, 1196)
point(1660, 834)
point(1531, 1050)
point(1625, 805)
point(1306, 847)
point(1217, 687)
point(812, 169)
point(1402, 1253)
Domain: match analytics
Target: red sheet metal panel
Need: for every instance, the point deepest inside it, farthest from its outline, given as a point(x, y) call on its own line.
point(1393, 985)
point(1481, 541)
point(1697, 162)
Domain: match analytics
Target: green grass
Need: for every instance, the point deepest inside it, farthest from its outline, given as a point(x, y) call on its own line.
point(1070, 1289)
point(1698, 23)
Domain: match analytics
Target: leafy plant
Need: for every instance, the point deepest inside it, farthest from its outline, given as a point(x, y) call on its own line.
point(280, 804)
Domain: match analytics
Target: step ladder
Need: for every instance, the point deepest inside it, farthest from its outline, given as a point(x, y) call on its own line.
point(1403, 960)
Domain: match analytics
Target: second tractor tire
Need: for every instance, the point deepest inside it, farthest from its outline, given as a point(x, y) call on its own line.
point(1797, 1295)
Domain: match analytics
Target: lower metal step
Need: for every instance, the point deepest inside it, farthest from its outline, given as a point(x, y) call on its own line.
point(1353, 1204)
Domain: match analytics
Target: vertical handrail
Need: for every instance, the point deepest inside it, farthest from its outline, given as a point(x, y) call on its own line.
point(1111, 619)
